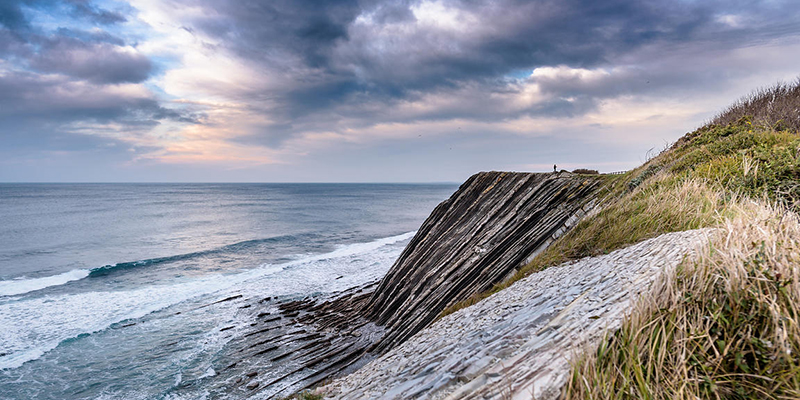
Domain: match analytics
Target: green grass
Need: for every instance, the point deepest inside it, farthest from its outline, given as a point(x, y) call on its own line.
point(685, 187)
point(305, 396)
point(724, 325)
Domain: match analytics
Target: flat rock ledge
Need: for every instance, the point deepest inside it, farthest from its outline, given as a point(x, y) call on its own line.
point(517, 343)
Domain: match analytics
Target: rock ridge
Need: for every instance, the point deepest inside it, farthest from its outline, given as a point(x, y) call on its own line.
point(494, 223)
point(517, 343)
point(490, 227)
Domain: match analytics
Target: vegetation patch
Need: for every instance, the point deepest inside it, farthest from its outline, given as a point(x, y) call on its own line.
point(698, 182)
point(306, 395)
point(776, 107)
point(726, 324)
point(723, 325)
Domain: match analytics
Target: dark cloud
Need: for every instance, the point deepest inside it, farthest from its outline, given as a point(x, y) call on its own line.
point(28, 99)
point(95, 61)
point(83, 8)
point(377, 51)
point(284, 28)
point(94, 55)
point(11, 15)
point(13, 18)
point(393, 12)
point(90, 36)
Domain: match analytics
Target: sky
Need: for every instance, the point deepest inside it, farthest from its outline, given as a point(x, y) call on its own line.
point(369, 90)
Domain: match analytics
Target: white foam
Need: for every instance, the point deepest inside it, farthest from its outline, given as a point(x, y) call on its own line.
point(31, 327)
point(21, 285)
point(352, 249)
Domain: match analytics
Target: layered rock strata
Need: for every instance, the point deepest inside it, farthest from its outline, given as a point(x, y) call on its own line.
point(517, 343)
point(476, 239)
point(492, 225)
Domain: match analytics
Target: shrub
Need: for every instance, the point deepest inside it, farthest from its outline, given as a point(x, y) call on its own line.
point(776, 107)
point(585, 171)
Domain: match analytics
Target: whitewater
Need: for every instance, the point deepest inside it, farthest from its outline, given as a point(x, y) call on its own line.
point(75, 326)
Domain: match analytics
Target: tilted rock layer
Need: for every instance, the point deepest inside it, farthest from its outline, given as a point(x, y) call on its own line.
point(493, 224)
point(517, 343)
point(490, 227)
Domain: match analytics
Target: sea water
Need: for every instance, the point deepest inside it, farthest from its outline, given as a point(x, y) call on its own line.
point(111, 290)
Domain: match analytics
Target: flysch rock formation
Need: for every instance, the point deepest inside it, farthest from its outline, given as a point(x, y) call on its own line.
point(476, 239)
point(517, 343)
point(494, 223)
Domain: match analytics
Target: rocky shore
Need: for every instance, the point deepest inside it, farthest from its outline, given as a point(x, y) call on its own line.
point(492, 225)
point(517, 343)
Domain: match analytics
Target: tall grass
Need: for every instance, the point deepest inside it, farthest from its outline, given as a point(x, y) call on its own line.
point(724, 325)
point(776, 107)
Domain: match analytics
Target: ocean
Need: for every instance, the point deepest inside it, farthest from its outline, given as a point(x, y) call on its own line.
point(111, 291)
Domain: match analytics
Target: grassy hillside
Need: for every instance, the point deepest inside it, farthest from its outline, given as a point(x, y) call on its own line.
point(751, 150)
point(725, 325)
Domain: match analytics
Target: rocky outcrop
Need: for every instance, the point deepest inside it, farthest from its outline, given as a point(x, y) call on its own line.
point(492, 225)
point(517, 343)
point(472, 241)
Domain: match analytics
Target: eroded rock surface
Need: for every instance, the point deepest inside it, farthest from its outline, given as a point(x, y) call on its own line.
point(517, 343)
point(492, 225)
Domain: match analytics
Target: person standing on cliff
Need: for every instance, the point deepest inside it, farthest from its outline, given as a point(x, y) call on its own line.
point(554, 168)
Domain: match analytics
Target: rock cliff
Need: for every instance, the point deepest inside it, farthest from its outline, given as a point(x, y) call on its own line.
point(482, 234)
point(494, 223)
point(517, 343)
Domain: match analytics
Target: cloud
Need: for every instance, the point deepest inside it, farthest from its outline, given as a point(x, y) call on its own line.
point(92, 54)
point(341, 58)
point(258, 83)
point(69, 78)
point(11, 16)
point(85, 9)
point(92, 60)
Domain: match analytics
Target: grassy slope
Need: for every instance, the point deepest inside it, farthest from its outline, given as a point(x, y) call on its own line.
point(688, 186)
point(728, 327)
point(724, 325)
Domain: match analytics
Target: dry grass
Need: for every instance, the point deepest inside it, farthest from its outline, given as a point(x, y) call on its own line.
point(305, 395)
point(724, 325)
point(776, 107)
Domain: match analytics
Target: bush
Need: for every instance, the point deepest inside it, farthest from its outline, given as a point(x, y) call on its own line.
point(776, 107)
point(585, 171)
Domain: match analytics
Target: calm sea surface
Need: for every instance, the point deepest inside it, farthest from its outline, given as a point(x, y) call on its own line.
point(104, 287)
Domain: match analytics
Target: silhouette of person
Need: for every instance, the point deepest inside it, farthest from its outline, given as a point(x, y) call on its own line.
point(554, 168)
